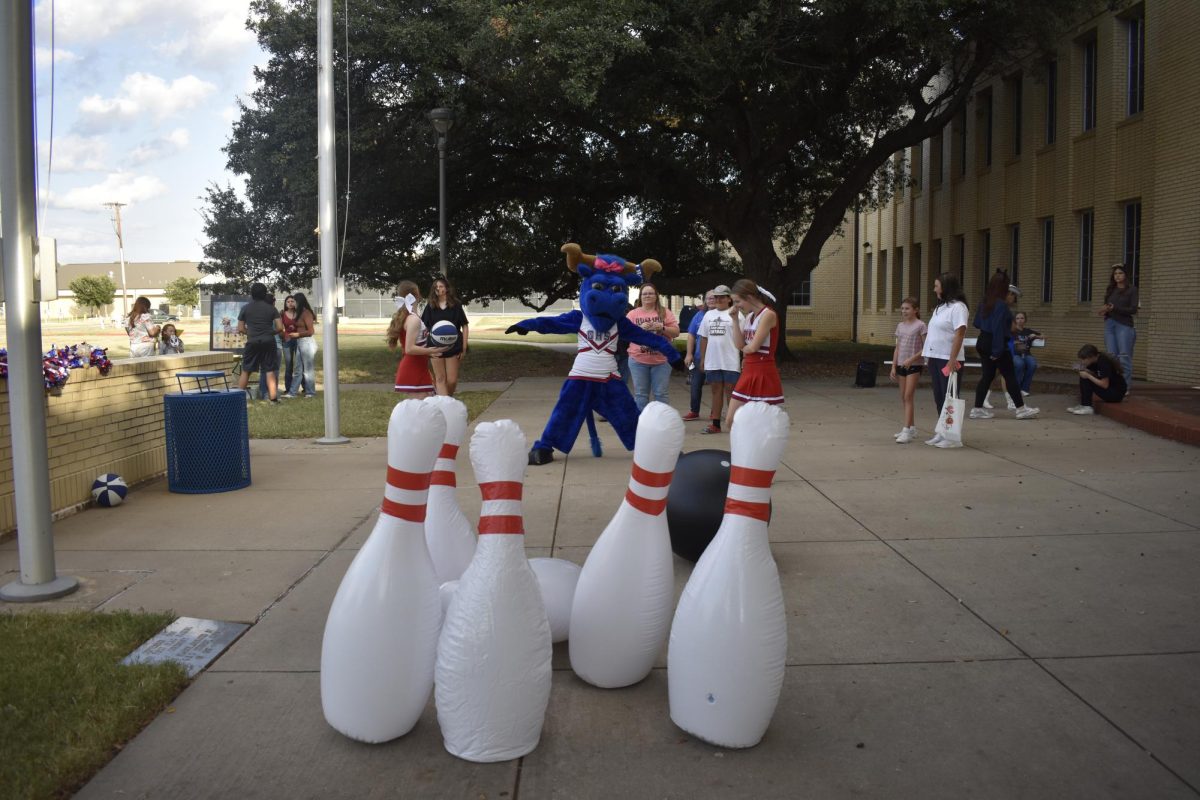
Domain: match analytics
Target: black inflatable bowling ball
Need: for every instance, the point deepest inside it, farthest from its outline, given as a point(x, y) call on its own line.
point(696, 500)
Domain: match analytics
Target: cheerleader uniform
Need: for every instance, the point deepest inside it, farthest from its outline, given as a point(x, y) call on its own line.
point(412, 376)
point(759, 382)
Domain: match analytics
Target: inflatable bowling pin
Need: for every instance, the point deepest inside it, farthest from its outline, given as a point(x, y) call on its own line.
point(557, 579)
point(626, 591)
point(725, 659)
point(380, 642)
point(493, 657)
point(450, 537)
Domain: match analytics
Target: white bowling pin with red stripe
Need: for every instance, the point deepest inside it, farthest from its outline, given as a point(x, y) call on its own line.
point(448, 533)
point(380, 641)
point(626, 591)
point(493, 658)
point(728, 646)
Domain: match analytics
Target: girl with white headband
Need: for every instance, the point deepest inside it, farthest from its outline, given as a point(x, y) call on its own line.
point(409, 332)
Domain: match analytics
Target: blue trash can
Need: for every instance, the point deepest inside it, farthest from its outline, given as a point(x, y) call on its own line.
point(208, 436)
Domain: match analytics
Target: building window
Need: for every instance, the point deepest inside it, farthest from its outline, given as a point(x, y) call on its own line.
point(868, 264)
point(803, 296)
point(935, 271)
point(960, 247)
point(985, 257)
point(985, 126)
point(962, 143)
point(1089, 85)
point(1086, 221)
point(917, 161)
point(914, 273)
point(881, 277)
point(898, 278)
point(1051, 102)
point(1014, 254)
point(1014, 89)
point(1136, 29)
point(1047, 259)
point(936, 173)
point(1133, 240)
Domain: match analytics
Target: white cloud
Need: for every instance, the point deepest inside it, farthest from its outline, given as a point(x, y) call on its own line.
point(118, 187)
point(210, 30)
point(164, 146)
point(142, 93)
point(77, 154)
point(61, 56)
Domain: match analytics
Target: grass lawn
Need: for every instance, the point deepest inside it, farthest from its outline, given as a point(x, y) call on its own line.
point(364, 358)
point(67, 705)
point(364, 412)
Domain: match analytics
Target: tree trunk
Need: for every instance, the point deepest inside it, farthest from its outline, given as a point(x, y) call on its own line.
point(762, 265)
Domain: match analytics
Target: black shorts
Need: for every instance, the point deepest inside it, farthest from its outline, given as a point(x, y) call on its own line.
point(915, 369)
point(260, 357)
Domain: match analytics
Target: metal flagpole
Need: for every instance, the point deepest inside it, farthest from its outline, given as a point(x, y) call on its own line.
point(326, 223)
point(26, 387)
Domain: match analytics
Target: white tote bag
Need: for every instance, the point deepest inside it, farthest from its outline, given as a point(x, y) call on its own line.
point(950, 423)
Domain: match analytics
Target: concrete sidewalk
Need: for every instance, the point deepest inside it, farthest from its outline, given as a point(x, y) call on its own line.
point(1018, 618)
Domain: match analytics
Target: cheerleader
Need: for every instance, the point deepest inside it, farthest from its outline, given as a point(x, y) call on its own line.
point(409, 332)
point(759, 382)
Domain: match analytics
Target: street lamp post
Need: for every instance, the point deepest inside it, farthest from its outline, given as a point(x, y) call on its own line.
point(442, 120)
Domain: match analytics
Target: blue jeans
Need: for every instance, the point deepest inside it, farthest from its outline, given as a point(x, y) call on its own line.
point(696, 379)
point(262, 375)
point(649, 379)
point(623, 370)
point(1119, 340)
point(306, 367)
point(1025, 366)
point(289, 362)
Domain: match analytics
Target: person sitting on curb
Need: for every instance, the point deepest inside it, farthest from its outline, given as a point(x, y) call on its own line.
point(1100, 375)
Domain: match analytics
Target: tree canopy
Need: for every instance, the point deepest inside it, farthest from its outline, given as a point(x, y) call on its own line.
point(183, 292)
point(93, 291)
point(728, 136)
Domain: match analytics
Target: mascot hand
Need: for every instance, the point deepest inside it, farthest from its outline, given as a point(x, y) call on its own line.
point(516, 329)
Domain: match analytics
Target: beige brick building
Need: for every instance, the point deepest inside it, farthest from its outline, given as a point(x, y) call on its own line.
point(1060, 167)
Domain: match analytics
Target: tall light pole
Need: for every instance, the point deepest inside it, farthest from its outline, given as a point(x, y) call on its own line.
point(442, 120)
point(116, 220)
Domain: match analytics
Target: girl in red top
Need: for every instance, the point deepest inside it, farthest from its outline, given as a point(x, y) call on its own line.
point(759, 382)
point(407, 330)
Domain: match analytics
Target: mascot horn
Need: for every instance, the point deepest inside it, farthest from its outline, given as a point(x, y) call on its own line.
point(593, 385)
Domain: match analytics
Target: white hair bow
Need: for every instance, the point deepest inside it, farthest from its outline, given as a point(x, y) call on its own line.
point(408, 301)
point(768, 294)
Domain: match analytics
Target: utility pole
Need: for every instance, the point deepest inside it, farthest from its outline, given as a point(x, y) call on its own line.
point(116, 209)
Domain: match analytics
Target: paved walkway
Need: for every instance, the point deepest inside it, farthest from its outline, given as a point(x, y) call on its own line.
point(1019, 618)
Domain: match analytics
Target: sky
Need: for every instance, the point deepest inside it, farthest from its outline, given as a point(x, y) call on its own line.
point(145, 95)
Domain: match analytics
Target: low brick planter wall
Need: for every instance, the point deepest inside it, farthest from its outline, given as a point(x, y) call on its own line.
point(97, 424)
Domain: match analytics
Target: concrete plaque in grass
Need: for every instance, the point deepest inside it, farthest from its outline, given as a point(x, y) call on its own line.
point(194, 643)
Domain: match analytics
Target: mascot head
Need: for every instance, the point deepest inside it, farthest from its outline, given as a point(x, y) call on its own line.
point(605, 282)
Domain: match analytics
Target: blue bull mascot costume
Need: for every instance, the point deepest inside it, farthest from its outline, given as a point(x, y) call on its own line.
point(593, 384)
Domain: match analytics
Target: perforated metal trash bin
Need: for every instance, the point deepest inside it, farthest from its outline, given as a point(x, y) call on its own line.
point(208, 438)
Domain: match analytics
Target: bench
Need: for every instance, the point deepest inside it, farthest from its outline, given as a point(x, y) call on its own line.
point(970, 343)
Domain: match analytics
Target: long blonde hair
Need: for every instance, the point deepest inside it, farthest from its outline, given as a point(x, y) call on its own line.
point(396, 326)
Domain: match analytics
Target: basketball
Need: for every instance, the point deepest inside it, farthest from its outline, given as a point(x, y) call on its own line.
point(443, 334)
point(109, 490)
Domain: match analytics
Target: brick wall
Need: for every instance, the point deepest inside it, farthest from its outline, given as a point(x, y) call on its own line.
point(97, 424)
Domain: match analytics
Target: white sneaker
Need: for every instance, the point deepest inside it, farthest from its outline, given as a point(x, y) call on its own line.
point(1009, 403)
point(946, 444)
point(980, 413)
point(899, 433)
point(937, 437)
point(1025, 393)
point(987, 401)
point(1027, 412)
point(1084, 410)
point(906, 436)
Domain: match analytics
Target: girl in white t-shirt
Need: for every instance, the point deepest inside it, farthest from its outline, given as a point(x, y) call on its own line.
point(943, 342)
point(721, 344)
point(906, 363)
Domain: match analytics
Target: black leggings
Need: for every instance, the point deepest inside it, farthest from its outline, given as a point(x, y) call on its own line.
point(1113, 394)
point(1003, 365)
